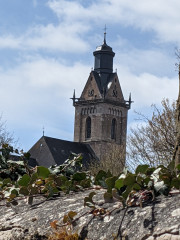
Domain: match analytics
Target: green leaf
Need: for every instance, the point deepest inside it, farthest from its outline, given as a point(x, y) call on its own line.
point(100, 176)
point(78, 176)
point(166, 178)
point(43, 172)
point(14, 191)
point(66, 186)
point(119, 183)
point(175, 183)
point(139, 179)
point(6, 181)
point(86, 183)
point(136, 187)
point(149, 171)
point(24, 181)
point(142, 169)
point(33, 190)
point(110, 183)
point(125, 194)
point(178, 167)
point(88, 200)
point(60, 180)
point(34, 177)
point(24, 191)
point(146, 181)
point(129, 180)
point(91, 195)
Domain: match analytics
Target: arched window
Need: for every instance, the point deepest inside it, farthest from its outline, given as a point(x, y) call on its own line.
point(88, 127)
point(113, 129)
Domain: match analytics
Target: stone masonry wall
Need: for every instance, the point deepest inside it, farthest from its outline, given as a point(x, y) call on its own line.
point(156, 220)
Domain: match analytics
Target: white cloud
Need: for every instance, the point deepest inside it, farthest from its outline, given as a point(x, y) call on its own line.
point(9, 41)
point(37, 92)
point(50, 38)
point(157, 15)
point(75, 20)
point(147, 89)
point(154, 61)
point(37, 88)
point(62, 37)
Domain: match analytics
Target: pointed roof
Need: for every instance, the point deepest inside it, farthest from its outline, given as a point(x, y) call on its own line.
point(103, 80)
point(49, 151)
point(104, 47)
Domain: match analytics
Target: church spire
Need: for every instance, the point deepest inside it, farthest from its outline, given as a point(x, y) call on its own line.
point(103, 57)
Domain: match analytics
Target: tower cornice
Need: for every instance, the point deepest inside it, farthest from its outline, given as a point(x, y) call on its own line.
point(80, 102)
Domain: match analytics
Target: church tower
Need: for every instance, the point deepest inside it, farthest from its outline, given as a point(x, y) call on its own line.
point(101, 111)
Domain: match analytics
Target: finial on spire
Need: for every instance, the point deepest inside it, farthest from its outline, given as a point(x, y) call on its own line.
point(43, 131)
point(105, 28)
point(130, 101)
point(74, 97)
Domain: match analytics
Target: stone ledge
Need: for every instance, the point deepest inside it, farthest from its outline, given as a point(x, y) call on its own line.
point(156, 221)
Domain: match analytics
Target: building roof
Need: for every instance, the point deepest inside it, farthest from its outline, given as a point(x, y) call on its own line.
point(102, 80)
point(49, 151)
point(104, 47)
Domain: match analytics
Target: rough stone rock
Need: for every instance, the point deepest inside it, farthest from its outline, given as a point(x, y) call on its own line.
point(156, 220)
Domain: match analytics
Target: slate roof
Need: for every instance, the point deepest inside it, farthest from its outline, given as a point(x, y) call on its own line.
point(102, 80)
point(48, 151)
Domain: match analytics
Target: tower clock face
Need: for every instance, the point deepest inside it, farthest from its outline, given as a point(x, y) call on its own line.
point(91, 93)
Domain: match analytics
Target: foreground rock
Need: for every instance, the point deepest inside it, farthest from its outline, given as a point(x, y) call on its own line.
point(157, 220)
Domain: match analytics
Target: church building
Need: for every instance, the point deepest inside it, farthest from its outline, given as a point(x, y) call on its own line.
point(101, 111)
point(100, 116)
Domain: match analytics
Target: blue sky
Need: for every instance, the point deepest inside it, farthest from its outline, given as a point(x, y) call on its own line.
point(46, 51)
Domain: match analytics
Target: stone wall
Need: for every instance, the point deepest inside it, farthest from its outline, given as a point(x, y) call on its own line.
point(156, 220)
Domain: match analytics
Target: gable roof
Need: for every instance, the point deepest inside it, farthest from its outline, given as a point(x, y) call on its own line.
point(103, 79)
point(48, 151)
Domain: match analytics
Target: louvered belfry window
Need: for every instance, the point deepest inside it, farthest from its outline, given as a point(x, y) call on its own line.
point(113, 129)
point(88, 127)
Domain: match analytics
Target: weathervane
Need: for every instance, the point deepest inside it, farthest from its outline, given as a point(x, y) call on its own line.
point(43, 131)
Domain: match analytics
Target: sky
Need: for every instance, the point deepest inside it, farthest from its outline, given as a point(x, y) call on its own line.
point(46, 51)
